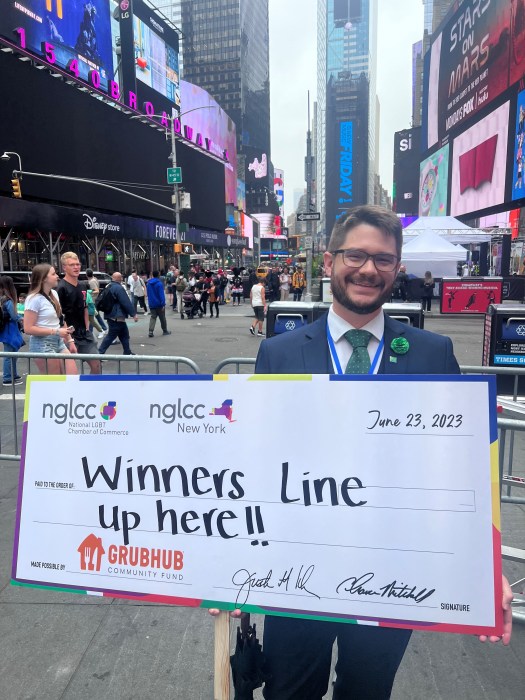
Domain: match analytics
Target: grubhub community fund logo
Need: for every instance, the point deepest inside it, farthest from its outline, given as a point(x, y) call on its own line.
point(83, 418)
point(125, 560)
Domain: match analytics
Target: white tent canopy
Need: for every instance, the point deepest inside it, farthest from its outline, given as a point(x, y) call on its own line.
point(429, 251)
point(449, 229)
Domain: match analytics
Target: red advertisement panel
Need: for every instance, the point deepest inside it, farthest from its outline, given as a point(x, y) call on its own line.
point(470, 296)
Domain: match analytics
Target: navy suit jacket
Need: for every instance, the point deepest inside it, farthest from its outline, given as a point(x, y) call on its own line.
point(305, 351)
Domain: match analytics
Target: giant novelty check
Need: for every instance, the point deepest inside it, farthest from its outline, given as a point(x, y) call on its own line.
point(368, 499)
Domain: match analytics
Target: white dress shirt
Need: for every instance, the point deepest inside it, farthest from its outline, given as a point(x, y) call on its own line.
point(338, 327)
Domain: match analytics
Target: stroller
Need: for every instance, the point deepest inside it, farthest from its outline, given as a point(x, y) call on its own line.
point(192, 303)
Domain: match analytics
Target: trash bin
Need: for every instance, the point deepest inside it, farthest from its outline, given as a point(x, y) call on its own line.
point(284, 316)
point(408, 312)
point(504, 343)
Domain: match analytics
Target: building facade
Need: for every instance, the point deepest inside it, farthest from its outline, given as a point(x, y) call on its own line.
point(226, 52)
point(346, 56)
point(435, 12)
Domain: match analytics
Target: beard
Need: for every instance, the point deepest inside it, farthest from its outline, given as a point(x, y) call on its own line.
point(340, 293)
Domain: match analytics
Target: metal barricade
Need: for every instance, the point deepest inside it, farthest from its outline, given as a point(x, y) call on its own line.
point(237, 362)
point(111, 364)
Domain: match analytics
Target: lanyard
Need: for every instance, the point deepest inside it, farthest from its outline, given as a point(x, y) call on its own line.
point(339, 369)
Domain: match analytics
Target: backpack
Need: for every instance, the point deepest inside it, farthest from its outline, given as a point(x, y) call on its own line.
point(4, 316)
point(105, 300)
point(180, 284)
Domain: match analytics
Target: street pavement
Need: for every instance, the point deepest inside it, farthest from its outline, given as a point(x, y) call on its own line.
point(73, 647)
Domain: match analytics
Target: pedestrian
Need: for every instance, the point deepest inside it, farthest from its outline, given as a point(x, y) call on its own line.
point(399, 290)
point(222, 284)
point(92, 311)
point(10, 334)
point(202, 287)
point(157, 304)
point(43, 321)
point(258, 300)
point(298, 283)
point(213, 296)
point(94, 285)
point(116, 318)
point(362, 261)
point(272, 282)
point(181, 284)
point(285, 280)
point(428, 291)
point(138, 292)
point(73, 300)
point(20, 307)
point(236, 290)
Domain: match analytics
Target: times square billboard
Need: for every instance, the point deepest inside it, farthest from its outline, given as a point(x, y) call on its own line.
point(123, 48)
point(474, 111)
point(125, 51)
point(407, 154)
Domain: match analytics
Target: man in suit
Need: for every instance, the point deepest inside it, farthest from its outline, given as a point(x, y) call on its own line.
point(362, 261)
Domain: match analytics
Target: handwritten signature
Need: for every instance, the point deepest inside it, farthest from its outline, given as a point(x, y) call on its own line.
point(247, 581)
point(357, 585)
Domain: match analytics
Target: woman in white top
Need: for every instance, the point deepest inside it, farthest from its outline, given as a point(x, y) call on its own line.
point(43, 321)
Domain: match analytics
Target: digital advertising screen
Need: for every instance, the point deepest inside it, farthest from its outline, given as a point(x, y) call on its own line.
point(247, 229)
point(257, 168)
point(74, 35)
point(433, 184)
point(407, 146)
point(156, 63)
point(479, 164)
point(278, 189)
point(478, 54)
point(204, 116)
point(470, 296)
point(518, 185)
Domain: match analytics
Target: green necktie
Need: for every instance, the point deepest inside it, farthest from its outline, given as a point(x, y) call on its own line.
point(359, 362)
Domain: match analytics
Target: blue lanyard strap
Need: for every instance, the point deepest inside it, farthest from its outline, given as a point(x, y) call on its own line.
point(339, 369)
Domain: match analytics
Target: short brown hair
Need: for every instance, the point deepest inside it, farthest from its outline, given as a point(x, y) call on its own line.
point(372, 215)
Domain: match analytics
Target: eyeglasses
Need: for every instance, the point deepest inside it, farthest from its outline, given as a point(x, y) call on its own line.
point(384, 262)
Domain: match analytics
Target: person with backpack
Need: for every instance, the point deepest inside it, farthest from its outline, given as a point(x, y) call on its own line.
point(116, 306)
point(181, 284)
point(10, 334)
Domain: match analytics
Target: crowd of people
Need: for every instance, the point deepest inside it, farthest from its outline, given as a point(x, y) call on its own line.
point(61, 315)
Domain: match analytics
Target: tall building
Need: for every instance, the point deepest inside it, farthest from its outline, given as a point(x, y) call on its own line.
point(226, 52)
point(346, 75)
point(435, 12)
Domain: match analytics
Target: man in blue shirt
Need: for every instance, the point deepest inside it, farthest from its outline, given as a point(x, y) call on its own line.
point(157, 304)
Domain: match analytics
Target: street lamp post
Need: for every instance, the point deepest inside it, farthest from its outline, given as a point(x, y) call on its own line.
point(171, 119)
point(7, 156)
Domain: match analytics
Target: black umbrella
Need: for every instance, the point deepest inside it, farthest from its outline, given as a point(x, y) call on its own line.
point(248, 662)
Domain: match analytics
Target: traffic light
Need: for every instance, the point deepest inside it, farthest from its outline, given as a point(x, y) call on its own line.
point(15, 184)
point(184, 248)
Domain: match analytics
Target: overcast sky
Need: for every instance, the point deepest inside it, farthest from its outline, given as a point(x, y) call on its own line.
point(293, 71)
